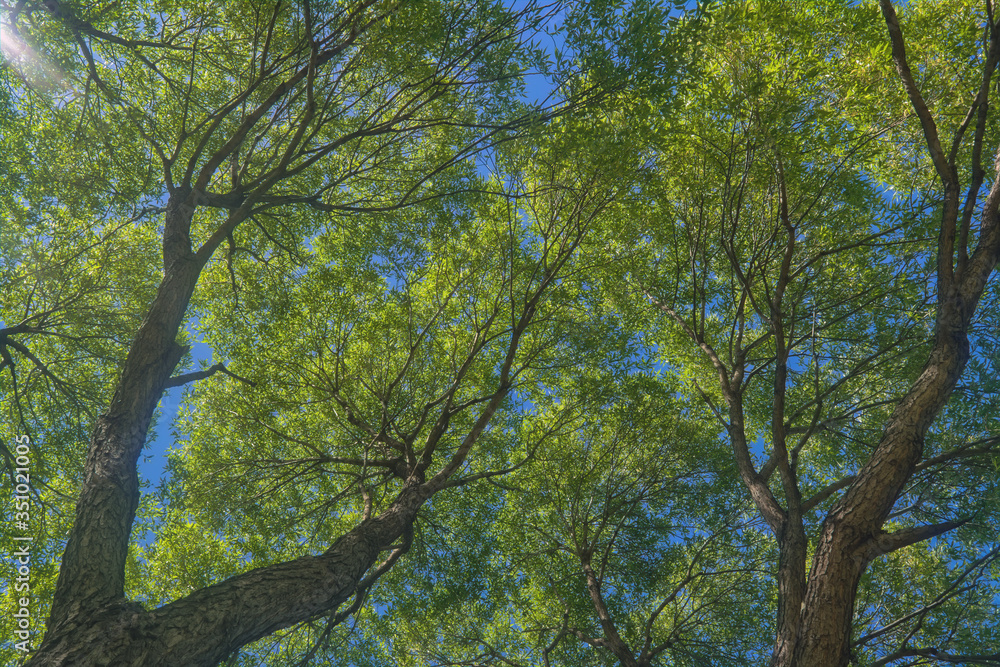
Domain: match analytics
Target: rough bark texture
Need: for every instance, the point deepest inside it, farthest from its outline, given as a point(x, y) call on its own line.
point(855, 522)
point(91, 575)
point(815, 618)
point(851, 534)
point(208, 625)
point(93, 624)
point(791, 590)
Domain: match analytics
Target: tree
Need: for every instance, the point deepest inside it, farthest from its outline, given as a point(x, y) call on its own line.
point(802, 303)
point(660, 373)
point(764, 298)
point(252, 125)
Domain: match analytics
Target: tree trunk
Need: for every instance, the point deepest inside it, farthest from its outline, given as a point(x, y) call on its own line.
point(207, 626)
point(852, 533)
point(91, 574)
point(791, 589)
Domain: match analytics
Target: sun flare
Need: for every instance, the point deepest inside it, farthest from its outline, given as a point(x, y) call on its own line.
point(10, 45)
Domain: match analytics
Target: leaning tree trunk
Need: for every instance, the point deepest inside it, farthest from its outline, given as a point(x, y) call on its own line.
point(852, 535)
point(204, 628)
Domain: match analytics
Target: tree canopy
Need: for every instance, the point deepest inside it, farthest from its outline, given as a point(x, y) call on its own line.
point(541, 334)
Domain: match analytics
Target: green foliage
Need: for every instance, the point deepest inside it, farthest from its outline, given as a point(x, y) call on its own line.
point(745, 180)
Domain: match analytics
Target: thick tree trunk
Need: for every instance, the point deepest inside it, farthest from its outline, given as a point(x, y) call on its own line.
point(204, 628)
point(851, 534)
point(92, 623)
point(91, 574)
point(851, 531)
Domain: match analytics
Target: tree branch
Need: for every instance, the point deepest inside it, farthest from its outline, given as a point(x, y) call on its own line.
point(179, 380)
point(885, 543)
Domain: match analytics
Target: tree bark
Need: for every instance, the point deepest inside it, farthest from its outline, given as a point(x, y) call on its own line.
point(855, 522)
point(791, 589)
point(851, 535)
point(91, 574)
point(207, 626)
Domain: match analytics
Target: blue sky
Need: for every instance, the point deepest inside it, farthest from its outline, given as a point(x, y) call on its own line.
point(153, 459)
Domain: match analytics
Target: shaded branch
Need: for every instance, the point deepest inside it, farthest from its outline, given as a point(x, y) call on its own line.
point(940, 656)
point(888, 542)
point(179, 380)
